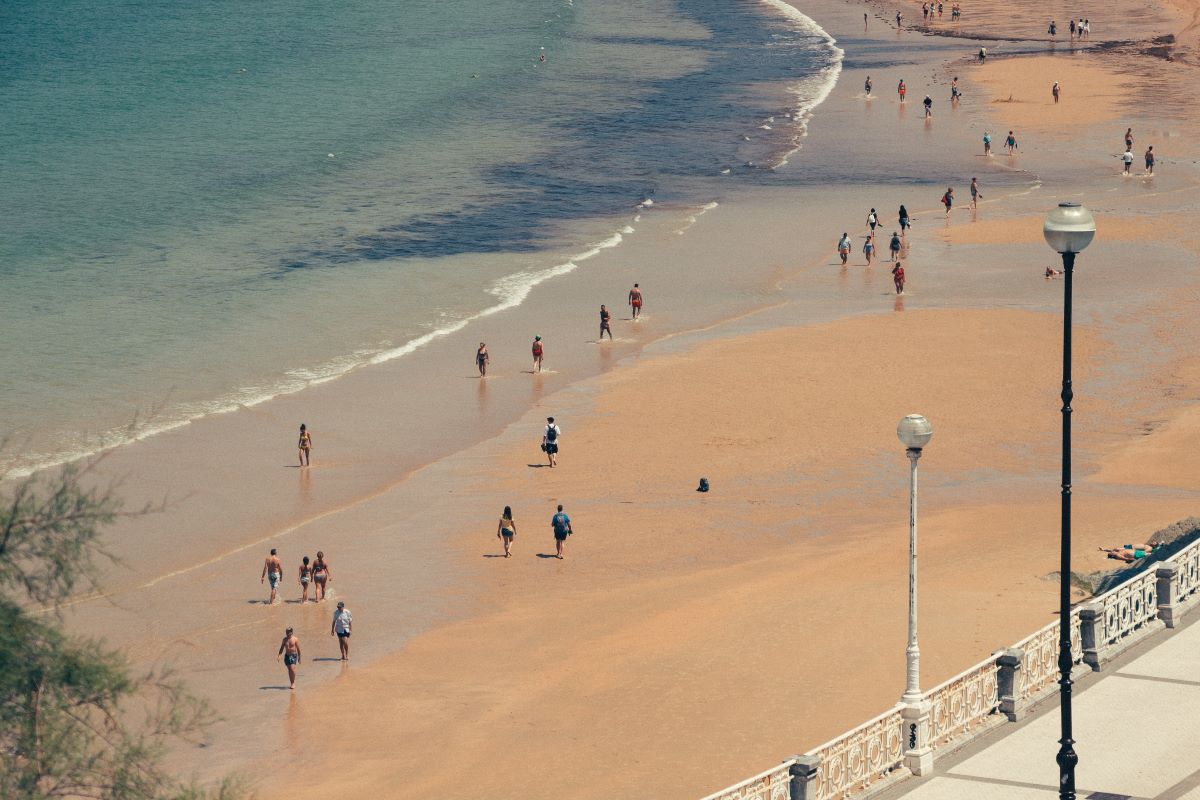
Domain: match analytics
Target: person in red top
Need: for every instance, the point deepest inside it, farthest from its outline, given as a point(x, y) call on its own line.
point(902, 90)
point(898, 277)
point(537, 354)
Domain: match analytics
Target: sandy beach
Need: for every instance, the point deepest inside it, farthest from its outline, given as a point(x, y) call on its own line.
point(690, 640)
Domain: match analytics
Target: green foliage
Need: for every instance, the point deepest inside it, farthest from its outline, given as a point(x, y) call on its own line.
point(74, 721)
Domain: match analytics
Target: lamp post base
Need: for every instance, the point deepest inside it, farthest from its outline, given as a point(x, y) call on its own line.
point(918, 749)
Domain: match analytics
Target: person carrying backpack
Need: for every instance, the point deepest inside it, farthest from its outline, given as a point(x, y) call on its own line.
point(550, 440)
point(895, 246)
point(948, 200)
point(561, 524)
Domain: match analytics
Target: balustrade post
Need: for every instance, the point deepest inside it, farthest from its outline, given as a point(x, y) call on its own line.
point(803, 785)
point(1166, 592)
point(1008, 682)
point(917, 732)
point(1092, 633)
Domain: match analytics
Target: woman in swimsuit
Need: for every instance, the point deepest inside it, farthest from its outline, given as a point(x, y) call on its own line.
point(481, 359)
point(305, 577)
point(869, 248)
point(506, 530)
point(537, 354)
point(321, 576)
point(305, 446)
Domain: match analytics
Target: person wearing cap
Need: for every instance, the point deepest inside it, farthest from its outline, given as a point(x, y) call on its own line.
point(343, 624)
point(537, 354)
point(550, 440)
point(289, 651)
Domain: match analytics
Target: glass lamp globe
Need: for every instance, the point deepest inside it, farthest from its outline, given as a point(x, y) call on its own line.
point(914, 431)
point(1069, 228)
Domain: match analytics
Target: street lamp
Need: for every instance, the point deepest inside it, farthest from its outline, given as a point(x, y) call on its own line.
point(914, 432)
point(1068, 230)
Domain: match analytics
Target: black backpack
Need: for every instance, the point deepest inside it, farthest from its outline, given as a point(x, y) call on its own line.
point(551, 433)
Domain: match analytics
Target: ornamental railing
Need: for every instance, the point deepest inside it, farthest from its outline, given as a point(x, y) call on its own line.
point(1002, 688)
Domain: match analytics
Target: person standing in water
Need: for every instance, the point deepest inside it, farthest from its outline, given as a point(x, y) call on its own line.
point(289, 651)
point(560, 523)
point(954, 95)
point(1055, 91)
point(343, 625)
point(605, 323)
point(898, 278)
point(975, 193)
point(1150, 159)
point(987, 143)
point(305, 446)
point(1011, 143)
point(844, 248)
point(1128, 160)
point(901, 90)
point(867, 86)
point(550, 438)
point(273, 569)
point(482, 358)
point(635, 302)
point(869, 247)
point(948, 200)
point(506, 529)
point(322, 575)
point(537, 354)
point(928, 106)
point(1129, 138)
point(305, 577)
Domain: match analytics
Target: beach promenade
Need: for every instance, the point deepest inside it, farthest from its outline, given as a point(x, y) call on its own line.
point(1136, 727)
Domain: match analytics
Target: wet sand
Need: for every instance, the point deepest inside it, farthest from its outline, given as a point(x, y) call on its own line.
point(690, 640)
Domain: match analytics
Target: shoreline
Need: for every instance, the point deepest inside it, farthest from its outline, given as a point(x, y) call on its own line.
point(365, 527)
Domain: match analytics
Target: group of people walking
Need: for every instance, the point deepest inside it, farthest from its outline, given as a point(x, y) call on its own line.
point(560, 525)
point(317, 575)
point(634, 299)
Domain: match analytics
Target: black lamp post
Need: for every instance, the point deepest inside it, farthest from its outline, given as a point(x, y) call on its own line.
point(1068, 229)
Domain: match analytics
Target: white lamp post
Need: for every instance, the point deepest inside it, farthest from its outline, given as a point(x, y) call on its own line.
point(914, 432)
point(1068, 229)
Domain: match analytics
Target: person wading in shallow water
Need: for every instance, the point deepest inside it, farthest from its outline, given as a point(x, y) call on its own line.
point(605, 323)
point(635, 301)
point(273, 569)
point(482, 359)
point(321, 576)
point(289, 651)
point(537, 353)
point(305, 446)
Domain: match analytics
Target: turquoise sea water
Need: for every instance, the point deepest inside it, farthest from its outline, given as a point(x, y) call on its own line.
point(210, 203)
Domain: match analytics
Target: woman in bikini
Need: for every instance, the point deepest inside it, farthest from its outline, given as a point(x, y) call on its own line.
point(305, 446)
point(481, 359)
point(305, 577)
point(506, 530)
point(321, 576)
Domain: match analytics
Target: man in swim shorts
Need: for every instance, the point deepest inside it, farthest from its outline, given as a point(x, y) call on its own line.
point(561, 524)
point(844, 248)
point(343, 623)
point(635, 301)
point(289, 651)
point(273, 569)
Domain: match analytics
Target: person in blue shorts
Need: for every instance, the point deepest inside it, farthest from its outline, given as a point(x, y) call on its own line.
point(561, 524)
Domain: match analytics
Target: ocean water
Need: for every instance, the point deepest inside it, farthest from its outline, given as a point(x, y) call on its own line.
point(208, 204)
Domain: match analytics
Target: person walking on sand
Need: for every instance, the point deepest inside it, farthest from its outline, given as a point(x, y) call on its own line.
point(895, 246)
point(550, 438)
point(635, 302)
point(1128, 160)
point(899, 20)
point(273, 570)
point(289, 651)
point(537, 354)
point(1129, 138)
point(1011, 143)
point(305, 578)
point(482, 357)
point(506, 529)
point(1055, 91)
point(975, 193)
point(1053, 29)
point(901, 90)
point(322, 575)
point(928, 106)
point(898, 278)
point(305, 446)
point(1150, 160)
point(1072, 27)
point(605, 320)
point(869, 247)
point(905, 220)
point(844, 248)
point(982, 55)
point(987, 143)
point(867, 86)
point(560, 523)
point(343, 625)
point(948, 200)
point(872, 220)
